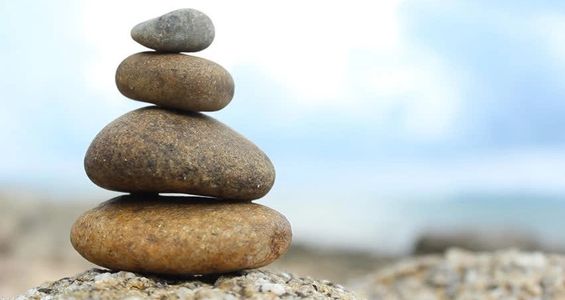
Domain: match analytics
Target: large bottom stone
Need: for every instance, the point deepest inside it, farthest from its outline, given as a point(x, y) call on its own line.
point(256, 284)
point(180, 235)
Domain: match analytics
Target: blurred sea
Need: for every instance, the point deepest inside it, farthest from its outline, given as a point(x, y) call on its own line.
point(384, 224)
point(393, 226)
point(340, 232)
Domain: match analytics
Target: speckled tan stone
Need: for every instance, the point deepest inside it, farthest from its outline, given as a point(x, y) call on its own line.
point(163, 151)
point(180, 235)
point(175, 81)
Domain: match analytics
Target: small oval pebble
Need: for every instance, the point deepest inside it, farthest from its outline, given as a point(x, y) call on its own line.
point(175, 81)
point(157, 150)
point(182, 30)
point(180, 235)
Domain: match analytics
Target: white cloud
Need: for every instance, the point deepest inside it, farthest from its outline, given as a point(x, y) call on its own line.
point(422, 86)
point(303, 44)
point(306, 47)
point(550, 28)
point(535, 170)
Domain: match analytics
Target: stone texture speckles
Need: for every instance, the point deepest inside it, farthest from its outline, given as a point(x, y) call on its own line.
point(162, 151)
point(173, 148)
point(182, 30)
point(256, 284)
point(175, 81)
point(180, 235)
point(459, 274)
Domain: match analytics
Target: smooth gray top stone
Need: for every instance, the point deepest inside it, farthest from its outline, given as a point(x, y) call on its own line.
point(182, 30)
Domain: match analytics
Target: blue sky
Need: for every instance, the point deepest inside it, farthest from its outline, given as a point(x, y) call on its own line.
point(361, 89)
point(355, 102)
point(515, 95)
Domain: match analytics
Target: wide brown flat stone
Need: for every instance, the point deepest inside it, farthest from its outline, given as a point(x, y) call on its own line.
point(180, 235)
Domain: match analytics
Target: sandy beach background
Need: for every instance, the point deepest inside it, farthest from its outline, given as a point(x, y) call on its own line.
point(35, 247)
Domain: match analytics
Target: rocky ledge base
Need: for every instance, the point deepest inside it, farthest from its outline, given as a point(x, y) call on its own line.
point(458, 274)
point(254, 284)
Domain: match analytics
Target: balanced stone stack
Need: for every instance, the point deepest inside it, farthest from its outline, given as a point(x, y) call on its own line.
point(173, 148)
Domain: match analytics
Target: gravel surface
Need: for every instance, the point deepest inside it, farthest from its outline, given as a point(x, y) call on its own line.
point(254, 284)
point(458, 274)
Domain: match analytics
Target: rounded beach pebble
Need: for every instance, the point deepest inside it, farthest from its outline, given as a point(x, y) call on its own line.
point(182, 30)
point(157, 150)
point(175, 81)
point(180, 235)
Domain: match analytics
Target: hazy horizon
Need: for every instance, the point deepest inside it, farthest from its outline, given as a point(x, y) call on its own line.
point(358, 104)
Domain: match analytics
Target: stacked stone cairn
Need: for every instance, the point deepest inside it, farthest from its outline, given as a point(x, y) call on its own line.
point(173, 148)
